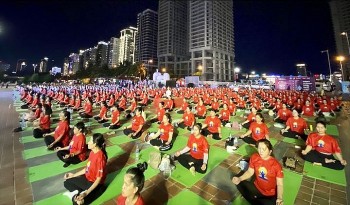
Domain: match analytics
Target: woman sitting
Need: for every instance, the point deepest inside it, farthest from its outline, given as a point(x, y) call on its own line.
point(283, 114)
point(257, 129)
point(267, 187)
point(135, 129)
point(308, 109)
point(198, 146)
point(115, 123)
point(295, 127)
point(201, 110)
point(212, 126)
point(134, 180)
point(225, 115)
point(60, 136)
point(42, 126)
point(164, 136)
point(87, 112)
point(75, 152)
point(102, 116)
point(87, 184)
point(187, 120)
point(250, 118)
point(320, 148)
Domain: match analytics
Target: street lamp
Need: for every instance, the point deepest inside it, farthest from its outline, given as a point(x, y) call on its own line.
point(329, 65)
point(164, 70)
point(253, 72)
point(347, 40)
point(236, 70)
point(34, 66)
point(341, 59)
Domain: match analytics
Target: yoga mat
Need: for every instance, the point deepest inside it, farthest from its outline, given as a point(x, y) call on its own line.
point(56, 167)
point(291, 185)
point(294, 141)
point(247, 150)
point(30, 138)
point(121, 139)
point(240, 200)
point(35, 152)
point(101, 130)
point(332, 130)
point(225, 134)
point(189, 197)
point(325, 174)
point(179, 144)
point(309, 119)
point(183, 175)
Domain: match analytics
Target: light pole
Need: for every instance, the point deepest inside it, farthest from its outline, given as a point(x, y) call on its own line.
point(329, 64)
point(34, 66)
point(341, 59)
point(347, 40)
point(236, 70)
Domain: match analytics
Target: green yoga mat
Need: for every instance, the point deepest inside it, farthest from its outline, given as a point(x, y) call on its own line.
point(225, 134)
point(189, 197)
point(121, 139)
point(291, 185)
point(101, 130)
point(309, 119)
point(183, 175)
point(54, 168)
point(325, 174)
point(30, 138)
point(332, 130)
point(247, 150)
point(294, 141)
point(179, 144)
point(240, 200)
point(35, 152)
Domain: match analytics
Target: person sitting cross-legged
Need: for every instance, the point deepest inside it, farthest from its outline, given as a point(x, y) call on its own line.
point(163, 139)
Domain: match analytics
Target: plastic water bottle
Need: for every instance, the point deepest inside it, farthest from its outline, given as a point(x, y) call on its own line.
point(311, 128)
point(235, 142)
point(137, 152)
point(23, 124)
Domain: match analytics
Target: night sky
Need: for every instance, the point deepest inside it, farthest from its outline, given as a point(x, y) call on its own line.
point(270, 36)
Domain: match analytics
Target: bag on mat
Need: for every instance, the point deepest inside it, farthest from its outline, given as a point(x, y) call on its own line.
point(154, 160)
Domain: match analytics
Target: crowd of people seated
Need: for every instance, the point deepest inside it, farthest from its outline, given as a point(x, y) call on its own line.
point(214, 107)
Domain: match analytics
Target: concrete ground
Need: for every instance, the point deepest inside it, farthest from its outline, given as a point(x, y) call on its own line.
point(214, 187)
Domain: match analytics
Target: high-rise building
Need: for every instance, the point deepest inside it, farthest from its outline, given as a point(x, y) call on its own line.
point(196, 38)
point(211, 39)
point(172, 49)
point(4, 66)
point(127, 45)
point(73, 63)
point(301, 69)
point(43, 65)
point(101, 54)
point(146, 39)
point(113, 52)
point(340, 11)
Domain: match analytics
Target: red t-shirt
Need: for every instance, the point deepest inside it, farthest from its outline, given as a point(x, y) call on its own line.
point(215, 105)
point(308, 110)
point(284, 114)
point(45, 122)
point(137, 121)
point(121, 200)
point(251, 117)
point(78, 143)
point(96, 167)
point(225, 114)
point(169, 104)
point(198, 146)
point(37, 113)
point(259, 131)
point(184, 106)
point(115, 116)
point(62, 129)
point(165, 130)
point(160, 114)
point(324, 144)
point(188, 119)
point(325, 108)
point(201, 110)
point(88, 108)
point(266, 172)
point(103, 112)
point(297, 125)
point(213, 124)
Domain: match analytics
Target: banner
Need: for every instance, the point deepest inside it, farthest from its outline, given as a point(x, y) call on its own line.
point(301, 83)
point(345, 85)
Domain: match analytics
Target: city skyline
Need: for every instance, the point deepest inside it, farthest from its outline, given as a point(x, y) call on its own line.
point(259, 35)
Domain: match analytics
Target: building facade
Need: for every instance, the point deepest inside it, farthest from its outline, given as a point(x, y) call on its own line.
point(196, 38)
point(340, 11)
point(127, 45)
point(146, 39)
point(172, 50)
point(101, 54)
point(113, 59)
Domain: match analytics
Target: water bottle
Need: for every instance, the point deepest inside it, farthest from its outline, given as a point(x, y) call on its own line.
point(137, 152)
point(23, 124)
point(235, 142)
point(230, 137)
point(311, 128)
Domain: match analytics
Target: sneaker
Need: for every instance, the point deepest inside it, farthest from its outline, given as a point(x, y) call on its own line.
point(66, 165)
point(147, 137)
